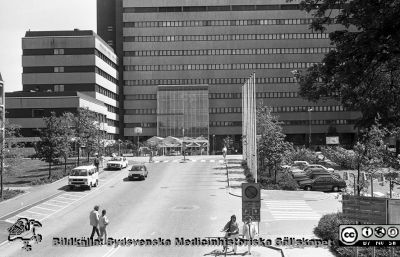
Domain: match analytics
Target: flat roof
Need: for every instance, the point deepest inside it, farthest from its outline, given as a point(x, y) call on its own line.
point(24, 94)
point(66, 33)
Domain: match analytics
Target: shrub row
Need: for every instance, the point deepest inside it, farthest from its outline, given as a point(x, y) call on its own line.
point(284, 181)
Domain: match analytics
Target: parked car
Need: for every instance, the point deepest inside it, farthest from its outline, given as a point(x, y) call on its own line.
point(297, 166)
point(138, 171)
point(318, 167)
point(117, 162)
point(83, 177)
point(323, 183)
point(312, 174)
point(312, 169)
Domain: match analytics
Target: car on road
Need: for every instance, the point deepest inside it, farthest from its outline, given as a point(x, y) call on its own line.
point(323, 183)
point(117, 162)
point(138, 171)
point(83, 177)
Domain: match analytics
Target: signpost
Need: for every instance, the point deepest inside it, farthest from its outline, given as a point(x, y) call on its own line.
point(251, 201)
point(137, 131)
point(332, 140)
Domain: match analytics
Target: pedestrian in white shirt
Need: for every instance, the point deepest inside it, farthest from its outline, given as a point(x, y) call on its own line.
point(103, 222)
point(249, 232)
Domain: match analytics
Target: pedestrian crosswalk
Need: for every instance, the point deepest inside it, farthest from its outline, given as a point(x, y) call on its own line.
point(193, 160)
point(291, 210)
point(46, 209)
point(52, 205)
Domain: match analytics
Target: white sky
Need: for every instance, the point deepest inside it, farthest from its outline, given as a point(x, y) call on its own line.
point(18, 16)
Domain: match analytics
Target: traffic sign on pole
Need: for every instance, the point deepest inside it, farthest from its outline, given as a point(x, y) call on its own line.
point(251, 201)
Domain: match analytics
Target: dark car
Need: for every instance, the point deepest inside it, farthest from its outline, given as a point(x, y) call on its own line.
point(312, 172)
point(138, 171)
point(323, 183)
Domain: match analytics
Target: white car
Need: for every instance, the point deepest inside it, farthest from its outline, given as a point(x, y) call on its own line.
point(296, 166)
point(138, 171)
point(83, 177)
point(117, 162)
point(318, 167)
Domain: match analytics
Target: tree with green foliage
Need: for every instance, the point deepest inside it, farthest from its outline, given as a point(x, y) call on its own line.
point(51, 140)
point(65, 145)
point(11, 155)
point(86, 128)
point(228, 142)
point(272, 146)
point(363, 71)
point(369, 152)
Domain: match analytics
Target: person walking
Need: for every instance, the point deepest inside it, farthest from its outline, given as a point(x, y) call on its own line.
point(224, 151)
point(96, 161)
point(249, 232)
point(231, 230)
point(103, 222)
point(94, 221)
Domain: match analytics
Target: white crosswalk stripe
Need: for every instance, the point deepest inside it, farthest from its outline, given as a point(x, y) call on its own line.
point(175, 161)
point(203, 161)
point(156, 161)
point(212, 160)
point(291, 210)
point(166, 161)
point(194, 160)
point(221, 161)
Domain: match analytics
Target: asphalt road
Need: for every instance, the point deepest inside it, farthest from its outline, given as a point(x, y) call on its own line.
point(177, 200)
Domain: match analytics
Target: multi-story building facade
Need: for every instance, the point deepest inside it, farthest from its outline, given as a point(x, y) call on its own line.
point(57, 65)
point(218, 44)
point(27, 109)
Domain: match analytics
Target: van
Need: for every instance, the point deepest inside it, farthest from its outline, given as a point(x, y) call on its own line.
point(83, 177)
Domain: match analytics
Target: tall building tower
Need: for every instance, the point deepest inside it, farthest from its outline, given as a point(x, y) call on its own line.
point(216, 45)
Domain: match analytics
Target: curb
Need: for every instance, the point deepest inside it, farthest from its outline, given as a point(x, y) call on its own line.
point(13, 198)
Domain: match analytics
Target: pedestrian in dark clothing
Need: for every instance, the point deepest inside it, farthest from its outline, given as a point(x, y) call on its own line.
point(94, 221)
point(96, 162)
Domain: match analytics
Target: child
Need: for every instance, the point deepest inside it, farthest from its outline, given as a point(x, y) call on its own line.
point(103, 222)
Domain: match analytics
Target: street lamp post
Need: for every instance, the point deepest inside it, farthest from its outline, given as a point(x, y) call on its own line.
point(309, 126)
point(213, 149)
point(119, 147)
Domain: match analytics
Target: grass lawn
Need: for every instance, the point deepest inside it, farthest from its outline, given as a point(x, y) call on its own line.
point(28, 172)
point(9, 193)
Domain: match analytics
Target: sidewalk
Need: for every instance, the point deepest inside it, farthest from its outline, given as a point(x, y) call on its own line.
point(236, 178)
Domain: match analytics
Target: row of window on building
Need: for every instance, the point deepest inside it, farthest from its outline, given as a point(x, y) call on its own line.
point(69, 51)
point(105, 59)
point(239, 123)
point(106, 75)
point(286, 123)
point(228, 66)
point(112, 109)
point(203, 23)
point(317, 122)
point(207, 81)
point(113, 123)
point(251, 51)
point(214, 110)
point(227, 95)
point(211, 8)
point(106, 92)
point(226, 37)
